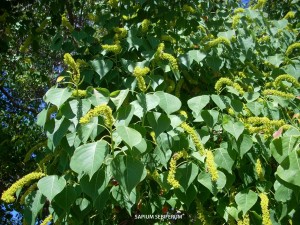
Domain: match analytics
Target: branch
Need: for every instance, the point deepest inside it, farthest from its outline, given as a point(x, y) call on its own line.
point(15, 104)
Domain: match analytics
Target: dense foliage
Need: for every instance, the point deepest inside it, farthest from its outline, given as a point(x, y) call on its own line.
point(183, 108)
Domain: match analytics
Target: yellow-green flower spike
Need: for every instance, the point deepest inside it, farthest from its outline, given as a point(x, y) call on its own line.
point(259, 170)
point(138, 71)
point(211, 166)
point(235, 20)
point(79, 93)
point(289, 15)
point(24, 47)
point(288, 78)
point(8, 195)
point(145, 25)
point(100, 110)
point(222, 81)
point(260, 4)
point(217, 41)
point(113, 3)
point(171, 59)
point(239, 89)
point(120, 33)
point(172, 169)
point(291, 48)
point(264, 203)
point(65, 22)
point(201, 214)
point(188, 8)
point(115, 48)
point(194, 137)
point(47, 220)
point(239, 10)
point(167, 38)
point(42, 26)
point(278, 93)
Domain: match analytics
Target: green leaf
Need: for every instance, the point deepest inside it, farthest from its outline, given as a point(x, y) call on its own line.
point(205, 179)
point(255, 108)
point(196, 104)
point(88, 158)
point(129, 135)
point(210, 117)
point(245, 200)
point(221, 101)
point(57, 96)
point(119, 99)
point(98, 96)
point(186, 174)
point(95, 186)
point(144, 104)
point(169, 103)
point(245, 143)
point(186, 196)
point(283, 146)
point(101, 67)
point(50, 186)
point(289, 169)
point(66, 198)
point(90, 130)
point(195, 55)
point(235, 129)
point(124, 115)
point(128, 171)
point(276, 59)
point(223, 159)
point(34, 203)
point(282, 193)
point(159, 122)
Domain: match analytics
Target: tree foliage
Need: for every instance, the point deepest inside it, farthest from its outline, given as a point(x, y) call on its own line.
point(189, 108)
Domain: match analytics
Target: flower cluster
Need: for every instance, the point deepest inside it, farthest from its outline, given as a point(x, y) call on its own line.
point(100, 110)
point(211, 166)
point(167, 38)
point(42, 25)
point(199, 146)
point(113, 3)
point(235, 20)
point(139, 73)
point(188, 8)
point(145, 25)
point(260, 4)
point(160, 54)
point(115, 48)
point(217, 41)
point(259, 170)
point(263, 125)
point(291, 48)
point(8, 195)
point(264, 203)
point(155, 175)
point(120, 33)
point(178, 87)
point(239, 10)
point(245, 221)
point(289, 15)
point(226, 81)
point(263, 39)
point(68, 60)
point(79, 93)
point(288, 78)
point(66, 23)
point(201, 214)
point(25, 45)
point(278, 93)
point(153, 136)
point(47, 220)
point(171, 175)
